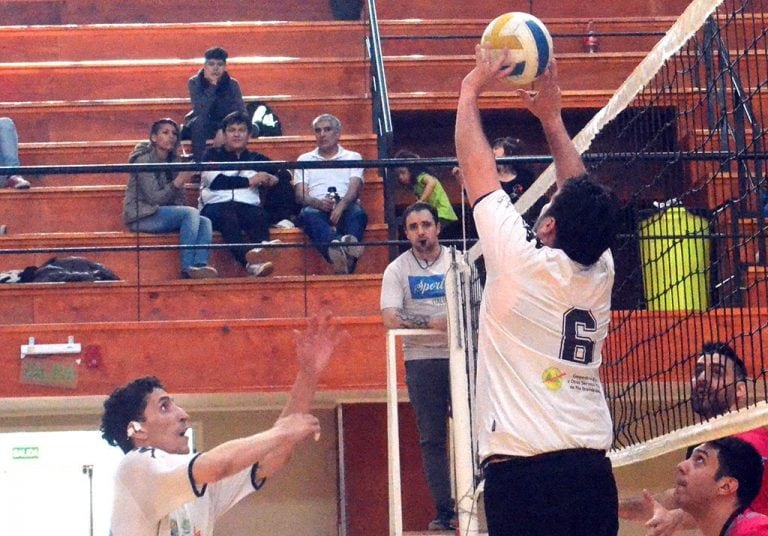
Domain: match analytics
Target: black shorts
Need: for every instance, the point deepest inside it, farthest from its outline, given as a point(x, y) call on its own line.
point(567, 492)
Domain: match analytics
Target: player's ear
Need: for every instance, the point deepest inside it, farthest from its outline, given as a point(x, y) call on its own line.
point(727, 485)
point(133, 428)
point(741, 391)
point(546, 229)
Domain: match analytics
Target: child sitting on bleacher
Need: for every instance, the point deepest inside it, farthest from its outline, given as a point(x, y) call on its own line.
point(426, 187)
point(155, 202)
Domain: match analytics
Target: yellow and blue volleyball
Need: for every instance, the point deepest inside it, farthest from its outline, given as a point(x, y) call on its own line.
point(527, 39)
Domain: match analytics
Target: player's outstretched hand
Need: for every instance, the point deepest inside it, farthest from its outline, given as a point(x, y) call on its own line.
point(545, 101)
point(489, 66)
point(315, 345)
point(297, 426)
point(663, 522)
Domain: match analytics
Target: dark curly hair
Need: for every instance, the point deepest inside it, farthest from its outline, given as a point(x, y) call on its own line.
point(124, 405)
point(585, 213)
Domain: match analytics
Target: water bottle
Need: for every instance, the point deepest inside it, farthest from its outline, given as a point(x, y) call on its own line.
point(333, 194)
point(591, 43)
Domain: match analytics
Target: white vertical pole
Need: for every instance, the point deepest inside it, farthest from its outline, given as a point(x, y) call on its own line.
point(393, 432)
point(342, 471)
point(393, 439)
point(462, 422)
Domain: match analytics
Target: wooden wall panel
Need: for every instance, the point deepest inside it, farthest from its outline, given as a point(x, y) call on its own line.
point(213, 356)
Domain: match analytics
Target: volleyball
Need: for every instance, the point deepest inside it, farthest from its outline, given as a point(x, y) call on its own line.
point(528, 41)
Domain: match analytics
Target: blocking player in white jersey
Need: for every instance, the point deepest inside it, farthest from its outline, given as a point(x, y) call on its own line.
point(543, 421)
point(163, 490)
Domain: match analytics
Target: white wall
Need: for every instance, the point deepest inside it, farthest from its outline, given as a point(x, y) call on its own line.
point(50, 494)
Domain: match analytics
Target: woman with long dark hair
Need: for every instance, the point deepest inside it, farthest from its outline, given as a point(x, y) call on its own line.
point(154, 200)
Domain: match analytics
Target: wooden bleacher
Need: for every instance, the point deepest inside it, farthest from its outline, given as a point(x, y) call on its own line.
point(119, 251)
point(488, 9)
point(40, 121)
point(123, 301)
point(406, 36)
point(119, 79)
point(182, 40)
point(115, 12)
point(61, 208)
point(286, 148)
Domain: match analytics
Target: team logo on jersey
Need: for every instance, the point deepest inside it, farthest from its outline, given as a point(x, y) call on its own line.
point(553, 378)
point(425, 287)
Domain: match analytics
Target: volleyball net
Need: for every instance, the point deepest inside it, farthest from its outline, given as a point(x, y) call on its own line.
point(682, 143)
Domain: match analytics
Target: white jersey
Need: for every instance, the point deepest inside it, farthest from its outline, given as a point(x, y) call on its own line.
point(249, 196)
point(154, 496)
point(408, 285)
point(318, 180)
point(543, 321)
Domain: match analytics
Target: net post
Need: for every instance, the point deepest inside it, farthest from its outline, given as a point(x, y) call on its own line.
point(393, 438)
point(461, 406)
point(393, 434)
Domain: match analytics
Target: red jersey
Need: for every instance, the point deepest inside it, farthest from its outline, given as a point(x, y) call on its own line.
point(758, 438)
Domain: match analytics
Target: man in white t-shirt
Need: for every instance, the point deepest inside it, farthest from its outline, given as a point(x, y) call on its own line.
point(543, 421)
point(413, 296)
point(331, 213)
point(163, 490)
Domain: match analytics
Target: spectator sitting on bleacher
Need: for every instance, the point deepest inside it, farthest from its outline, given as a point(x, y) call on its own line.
point(9, 154)
point(154, 200)
point(231, 199)
point(331, 216)
point(214, 95)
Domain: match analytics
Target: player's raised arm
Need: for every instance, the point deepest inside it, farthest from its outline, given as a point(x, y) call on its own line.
point(545, 103)
point(476, 160)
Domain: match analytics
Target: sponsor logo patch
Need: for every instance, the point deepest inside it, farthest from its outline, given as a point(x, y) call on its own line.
point(553, 378)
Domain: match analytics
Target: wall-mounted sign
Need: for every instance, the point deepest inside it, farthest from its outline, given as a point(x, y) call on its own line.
point(25, 453)
point(53, 371)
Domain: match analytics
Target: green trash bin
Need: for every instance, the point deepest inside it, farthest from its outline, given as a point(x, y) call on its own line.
point(674, 248)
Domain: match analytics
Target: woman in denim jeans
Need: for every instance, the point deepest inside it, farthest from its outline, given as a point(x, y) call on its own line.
point(154, 200)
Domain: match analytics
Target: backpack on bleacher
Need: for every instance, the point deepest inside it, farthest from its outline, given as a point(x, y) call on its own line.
point(263, 119)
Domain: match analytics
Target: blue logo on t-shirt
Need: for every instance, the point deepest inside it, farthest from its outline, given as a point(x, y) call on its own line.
point(424, 287)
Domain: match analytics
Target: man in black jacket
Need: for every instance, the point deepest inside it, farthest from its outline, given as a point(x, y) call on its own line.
point(232, 199)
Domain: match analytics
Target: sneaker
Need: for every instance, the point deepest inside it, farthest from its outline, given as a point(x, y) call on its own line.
point(443, 524)
point(260, 269)
point(284, 224)
point(353, 248)
point(338, 256)
point(252, 256)
point(200, 272)
point(18, 182)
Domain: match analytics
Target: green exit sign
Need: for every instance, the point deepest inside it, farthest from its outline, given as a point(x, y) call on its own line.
point(25, 453)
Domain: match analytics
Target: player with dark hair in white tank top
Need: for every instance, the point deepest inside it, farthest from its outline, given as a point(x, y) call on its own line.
point(543, 421)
